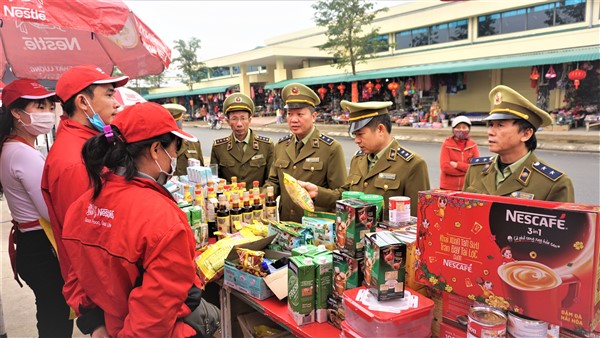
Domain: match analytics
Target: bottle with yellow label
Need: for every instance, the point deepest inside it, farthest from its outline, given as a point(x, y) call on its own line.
point(247, 208)
point(223, 219)
point(271, 205)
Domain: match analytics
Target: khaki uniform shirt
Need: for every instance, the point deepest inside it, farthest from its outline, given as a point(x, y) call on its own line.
point(531, 180)
point(250, 165)
point(399, 173)
point(188, 150)
point(321, 162)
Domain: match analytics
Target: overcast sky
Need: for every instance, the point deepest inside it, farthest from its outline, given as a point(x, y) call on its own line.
point(226, 27)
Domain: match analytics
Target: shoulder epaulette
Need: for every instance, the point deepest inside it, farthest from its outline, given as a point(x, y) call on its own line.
point(328, 140)
point(285, 138)
point(547, 171)
point(221, 141)
point(481, 160)
point(262, 138)
point(405, 154)
point(359, 153)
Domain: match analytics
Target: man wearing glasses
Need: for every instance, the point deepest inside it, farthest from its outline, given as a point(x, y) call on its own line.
point(242, 154)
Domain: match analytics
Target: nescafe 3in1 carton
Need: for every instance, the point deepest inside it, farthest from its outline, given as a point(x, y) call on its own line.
point(536, 258)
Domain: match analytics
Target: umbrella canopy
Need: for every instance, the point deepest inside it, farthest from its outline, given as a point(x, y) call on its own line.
point(42, 39)
point(127, 97)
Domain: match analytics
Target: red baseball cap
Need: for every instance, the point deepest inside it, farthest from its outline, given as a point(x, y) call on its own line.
point(146, 120)
point(78, 78)
point(26, 89)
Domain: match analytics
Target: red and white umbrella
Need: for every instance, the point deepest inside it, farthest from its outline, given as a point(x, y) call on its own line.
point(127, 97)
point(42, 39)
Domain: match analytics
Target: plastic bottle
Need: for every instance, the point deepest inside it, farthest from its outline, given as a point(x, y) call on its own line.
point(223, 219)
point(247, 208)
point(257, 208)
point(199, 201)
point(271, 205)
point(235, 213)
point(187, 194)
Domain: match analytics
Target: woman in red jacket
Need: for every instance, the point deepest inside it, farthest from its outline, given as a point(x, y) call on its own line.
point(455, 154)
point(131, 248)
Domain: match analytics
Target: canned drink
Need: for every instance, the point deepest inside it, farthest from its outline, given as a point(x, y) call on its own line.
point(553, 331)
point(486, 322)
point(399, 209)
point(524, 327)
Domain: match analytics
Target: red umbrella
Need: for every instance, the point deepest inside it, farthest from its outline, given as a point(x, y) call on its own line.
point(127, 97)
point(42, 39)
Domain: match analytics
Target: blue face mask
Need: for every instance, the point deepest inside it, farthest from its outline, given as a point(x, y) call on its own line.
point(95, 120)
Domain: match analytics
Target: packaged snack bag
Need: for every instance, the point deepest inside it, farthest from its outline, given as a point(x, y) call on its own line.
point(298, 194)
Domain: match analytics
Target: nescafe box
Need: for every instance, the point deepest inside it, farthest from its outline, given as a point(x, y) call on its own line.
point(354, 218)
point(384, 267)
point(513, 254)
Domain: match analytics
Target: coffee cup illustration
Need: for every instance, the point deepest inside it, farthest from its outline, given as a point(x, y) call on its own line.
point(340, 234)
point(529, 284)
point(339, 278)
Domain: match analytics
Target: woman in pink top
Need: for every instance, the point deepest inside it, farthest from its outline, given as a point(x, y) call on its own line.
point(28, 111)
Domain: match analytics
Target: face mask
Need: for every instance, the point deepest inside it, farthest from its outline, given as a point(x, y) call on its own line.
point(461, 135)
point(164, 176)
point(95, 120)
point(41, 123)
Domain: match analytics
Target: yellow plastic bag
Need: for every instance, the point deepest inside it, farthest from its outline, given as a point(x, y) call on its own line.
point(298, 194)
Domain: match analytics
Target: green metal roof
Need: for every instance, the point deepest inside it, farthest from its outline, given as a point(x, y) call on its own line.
point(500, 62)
point(209, 90)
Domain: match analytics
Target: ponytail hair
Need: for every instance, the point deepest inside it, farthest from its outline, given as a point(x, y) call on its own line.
point(98, 152)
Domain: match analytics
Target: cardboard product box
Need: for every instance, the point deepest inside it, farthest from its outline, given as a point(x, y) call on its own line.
point(301, 289)
point(354, 218)
point(257, 287)
point(320, 214)
point(323, 284)
point(303, 249)
point(290, 235)
point(384, 268)
point(250, 321)
point(323, 231)
point(347, 272)
point(335, 311)
point(514, 254)
point(455, 308)
point(451, 331)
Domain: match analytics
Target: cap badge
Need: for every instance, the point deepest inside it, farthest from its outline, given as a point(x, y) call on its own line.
point(237, 99)
point(295, 90)
point(498, 98)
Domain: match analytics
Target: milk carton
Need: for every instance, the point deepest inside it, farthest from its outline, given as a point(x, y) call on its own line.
point(323, 282)
point(301, 286)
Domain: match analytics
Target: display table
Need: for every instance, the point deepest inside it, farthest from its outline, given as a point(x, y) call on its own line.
point(276, 310)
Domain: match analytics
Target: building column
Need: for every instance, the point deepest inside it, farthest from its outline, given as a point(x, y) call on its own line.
point(244, 81)
point(280, 73)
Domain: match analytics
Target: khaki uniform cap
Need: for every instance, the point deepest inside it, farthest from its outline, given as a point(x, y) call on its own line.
point(238, 102)
point(507, 104)
point(175, 109)
point(361, 113)
point(297, 95)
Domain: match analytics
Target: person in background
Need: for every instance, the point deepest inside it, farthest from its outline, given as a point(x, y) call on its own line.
point(188, 149)
point(243, 154)
point(28, 111)
point(516, 170)
point(381, 166)
point(455, 154)
point(135, 264)
point(305, 154)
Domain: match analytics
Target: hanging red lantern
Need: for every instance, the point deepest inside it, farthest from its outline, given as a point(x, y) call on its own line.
point(369, 87)
point(393, 86)
point(322, 91)
point(341, 88)
point(551, 74)
point(535, 75)
point(330, 86)
point(377, 80)
point(378, 87)
point(576, 76)
point(260, 90)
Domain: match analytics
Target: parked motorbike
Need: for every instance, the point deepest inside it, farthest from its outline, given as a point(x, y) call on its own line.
point(216, 121)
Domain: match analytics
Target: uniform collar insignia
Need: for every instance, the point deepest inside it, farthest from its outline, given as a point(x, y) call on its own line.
point(524, 176)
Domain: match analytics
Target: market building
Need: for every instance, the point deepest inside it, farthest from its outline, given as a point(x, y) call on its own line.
point(441, 55)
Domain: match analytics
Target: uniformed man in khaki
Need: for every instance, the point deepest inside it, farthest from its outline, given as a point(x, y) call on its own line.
point(305, 154)
point(188, 149)
point(381, 166)
point(516, 171)
point(243, 154)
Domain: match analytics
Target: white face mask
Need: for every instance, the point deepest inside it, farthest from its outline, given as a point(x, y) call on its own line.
point(41, 123)
point(164, 176)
